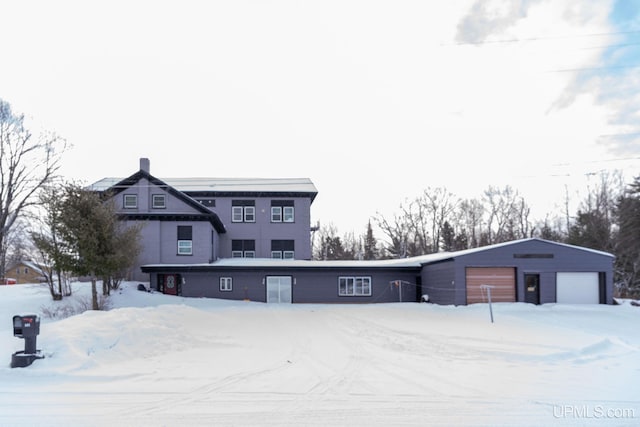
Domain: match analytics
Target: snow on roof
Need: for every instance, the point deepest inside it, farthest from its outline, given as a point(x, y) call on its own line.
point(297, 263)
point(413, 262)
point(531, 239)
point(226, 185)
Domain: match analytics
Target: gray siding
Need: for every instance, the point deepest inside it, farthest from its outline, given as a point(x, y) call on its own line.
point(144, 190)
point(159, 238)
point(438, 281)
point(443, 278)
point(308, 285)
point(523, 257)
point(263, 231)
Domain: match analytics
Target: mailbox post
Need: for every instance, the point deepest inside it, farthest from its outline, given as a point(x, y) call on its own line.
point(28, 328)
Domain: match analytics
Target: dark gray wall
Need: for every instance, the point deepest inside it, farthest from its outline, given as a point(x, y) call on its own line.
point(438, 281)
point(565, 259)
point(308, 285)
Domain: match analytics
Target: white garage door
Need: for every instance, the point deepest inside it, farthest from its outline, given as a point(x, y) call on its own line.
point(577, 288)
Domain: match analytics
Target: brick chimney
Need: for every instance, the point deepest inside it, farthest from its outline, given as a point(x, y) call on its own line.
point(145, 165)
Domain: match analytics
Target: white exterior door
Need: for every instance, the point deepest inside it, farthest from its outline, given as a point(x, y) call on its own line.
point(279, 289)
point(577, 288)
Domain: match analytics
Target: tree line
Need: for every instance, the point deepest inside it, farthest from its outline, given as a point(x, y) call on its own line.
point(607, 219)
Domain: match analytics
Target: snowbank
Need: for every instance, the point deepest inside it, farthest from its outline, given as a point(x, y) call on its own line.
point(159, 360)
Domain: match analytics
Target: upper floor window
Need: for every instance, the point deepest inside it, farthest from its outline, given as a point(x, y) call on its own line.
point(185, 242)
point(243, 248)
point(354, 286)
point(243, 211)
point(282, 211)
point(282, 249)
point(158, 201)
point(130, 201)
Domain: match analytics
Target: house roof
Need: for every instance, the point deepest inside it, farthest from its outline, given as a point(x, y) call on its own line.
point(121, 185)
point(269, 263)
point(441, 256)
point(301, 187)
point(413, 262)
point(27, 263)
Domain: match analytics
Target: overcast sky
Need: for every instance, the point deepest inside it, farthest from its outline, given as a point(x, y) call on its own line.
point(374, 101)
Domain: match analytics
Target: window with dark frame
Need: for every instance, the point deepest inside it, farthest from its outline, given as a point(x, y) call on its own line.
point(185, 242)
point(243, 248)
point(283, 249)
point(282, 211)
point(130, 201)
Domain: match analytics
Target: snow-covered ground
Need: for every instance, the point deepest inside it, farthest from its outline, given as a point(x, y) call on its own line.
point(160, 360)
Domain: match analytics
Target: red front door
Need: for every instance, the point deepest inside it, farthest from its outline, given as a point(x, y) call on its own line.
point(171, 284)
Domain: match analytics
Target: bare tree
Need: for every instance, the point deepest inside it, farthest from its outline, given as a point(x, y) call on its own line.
point(594, 225)
point(507, 215)
point(397, 232)
point(441, 205)
point(468, 220)
point(26, 163)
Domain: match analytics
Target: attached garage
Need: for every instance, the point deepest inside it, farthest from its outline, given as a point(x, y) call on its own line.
point(578, 288)
point(502, 281)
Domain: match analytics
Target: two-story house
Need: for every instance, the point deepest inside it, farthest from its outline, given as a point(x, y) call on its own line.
point(251, 239)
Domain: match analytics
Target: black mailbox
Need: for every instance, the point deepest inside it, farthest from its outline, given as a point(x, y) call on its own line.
point(26, 326)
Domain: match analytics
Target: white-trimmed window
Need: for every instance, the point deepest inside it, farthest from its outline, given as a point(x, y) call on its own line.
point(288, 214)
point(282, 254)
point(185, 242)
point(226, 284)
point(243, 211)
point(276, 213)
point(283, 249)
point(158, 201)
point(282, 211)
point(354, 286)
point(130, 201)
point(243, 248)
point(185, 247)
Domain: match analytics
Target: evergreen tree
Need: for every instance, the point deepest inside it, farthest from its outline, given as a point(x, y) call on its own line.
point(448, 238)
point(97, 244)
point(370, 244)
point(627, 247)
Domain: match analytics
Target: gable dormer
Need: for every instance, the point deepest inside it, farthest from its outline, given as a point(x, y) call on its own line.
point(142, 196)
